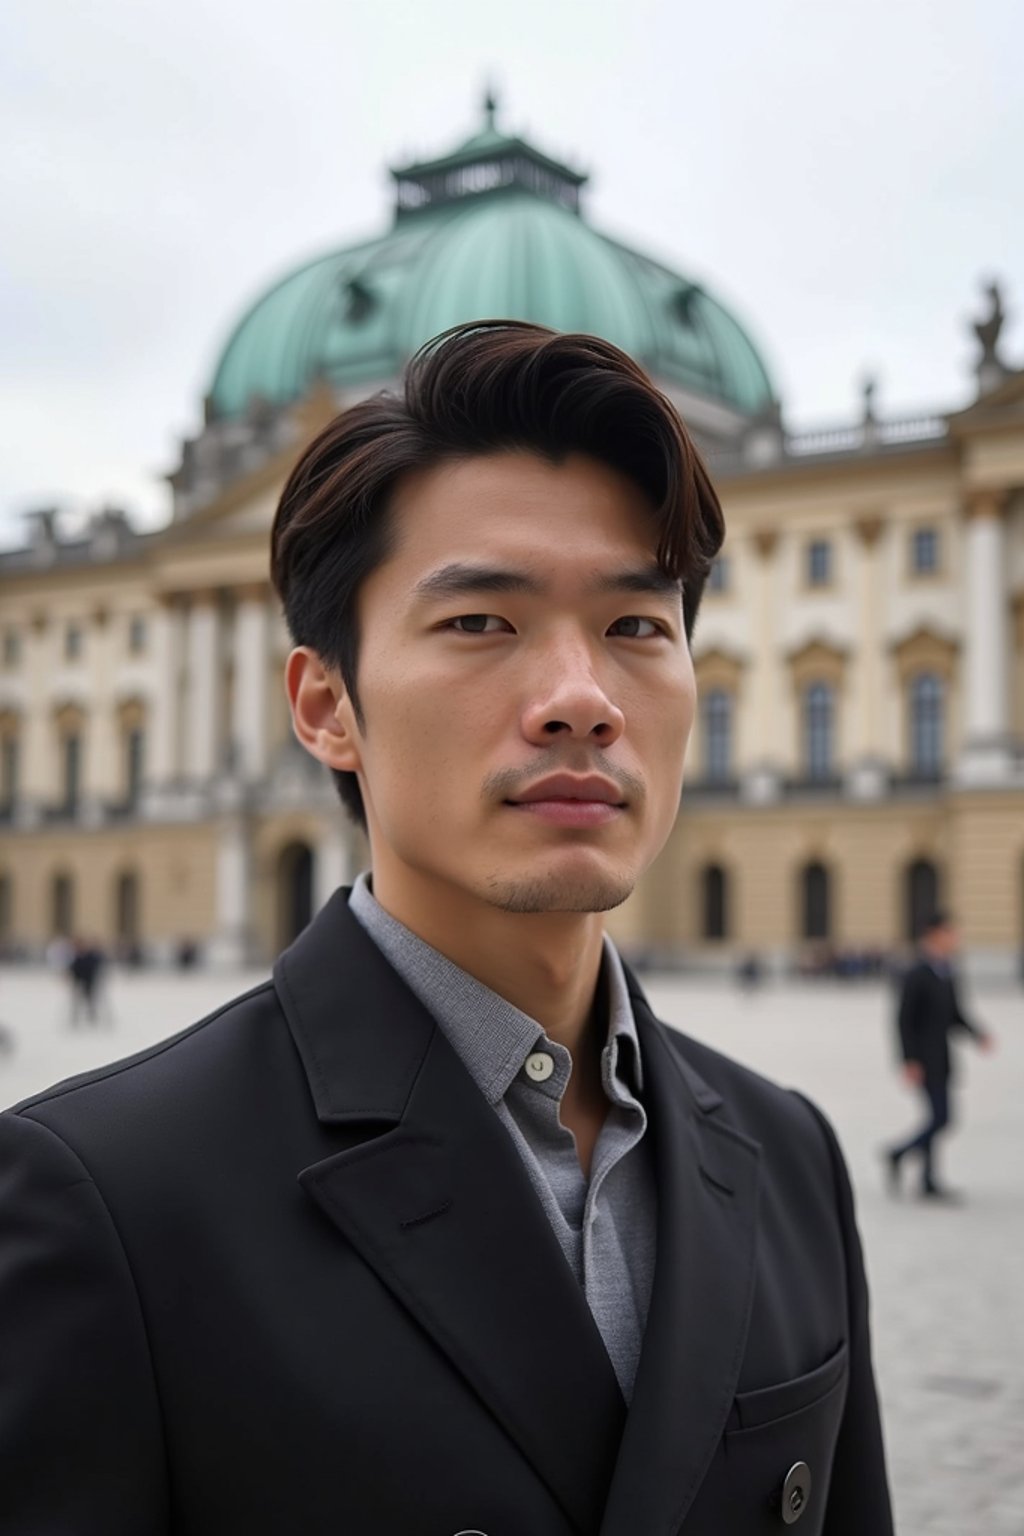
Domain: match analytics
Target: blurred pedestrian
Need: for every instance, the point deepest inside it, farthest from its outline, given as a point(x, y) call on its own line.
point(85, 971)
point(929, 1009)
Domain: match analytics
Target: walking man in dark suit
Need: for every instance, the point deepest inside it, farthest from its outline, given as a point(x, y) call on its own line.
point(440, 1229)
point(929, 1010)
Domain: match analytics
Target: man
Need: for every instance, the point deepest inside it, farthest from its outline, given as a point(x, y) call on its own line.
point(929, 1009)
point(85, 970)
point(440, 1230)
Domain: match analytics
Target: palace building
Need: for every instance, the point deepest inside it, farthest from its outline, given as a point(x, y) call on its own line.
point(859, 750)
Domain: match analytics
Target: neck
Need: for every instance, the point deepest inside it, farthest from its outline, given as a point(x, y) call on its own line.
point(546, 964)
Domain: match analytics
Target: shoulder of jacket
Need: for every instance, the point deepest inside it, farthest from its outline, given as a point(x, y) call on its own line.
point(164, 1056)
point(753, 1102)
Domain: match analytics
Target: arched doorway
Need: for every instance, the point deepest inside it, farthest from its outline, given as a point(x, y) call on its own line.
point(715, 899)
point(62, 905)
point(294, 891)
point(126, 907)
point(921, 897)
point(815, 894)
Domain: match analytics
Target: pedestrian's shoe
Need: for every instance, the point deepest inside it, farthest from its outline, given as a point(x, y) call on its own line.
point(891, 1168)
point(941, 1195)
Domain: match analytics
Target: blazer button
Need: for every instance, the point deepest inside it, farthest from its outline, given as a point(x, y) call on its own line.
point(796, 1491)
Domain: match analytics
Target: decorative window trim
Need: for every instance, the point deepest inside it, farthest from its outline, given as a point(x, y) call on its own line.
point(818, 660)
point(717, 668)
point(925, 650)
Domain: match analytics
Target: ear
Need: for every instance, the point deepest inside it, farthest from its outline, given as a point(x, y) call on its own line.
point(323, 717)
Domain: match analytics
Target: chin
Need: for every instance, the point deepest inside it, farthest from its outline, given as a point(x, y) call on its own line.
point(560, 890)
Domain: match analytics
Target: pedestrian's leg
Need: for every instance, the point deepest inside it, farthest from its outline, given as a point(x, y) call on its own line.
point(922, 1140)
point(938, 1094)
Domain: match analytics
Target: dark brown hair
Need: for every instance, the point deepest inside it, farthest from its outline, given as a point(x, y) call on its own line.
point(477, 389)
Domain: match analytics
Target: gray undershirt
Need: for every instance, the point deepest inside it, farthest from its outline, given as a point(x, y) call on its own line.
point(605, 1227)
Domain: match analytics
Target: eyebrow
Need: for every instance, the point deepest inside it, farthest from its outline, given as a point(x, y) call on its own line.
point(458, 580)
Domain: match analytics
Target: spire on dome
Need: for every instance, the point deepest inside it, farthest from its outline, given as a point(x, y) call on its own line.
point(488, 162)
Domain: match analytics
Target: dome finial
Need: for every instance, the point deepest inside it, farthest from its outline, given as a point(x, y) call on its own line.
point(490, 105)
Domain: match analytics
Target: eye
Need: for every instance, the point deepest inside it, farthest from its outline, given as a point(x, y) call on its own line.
point(479, 624)
point(632, 627)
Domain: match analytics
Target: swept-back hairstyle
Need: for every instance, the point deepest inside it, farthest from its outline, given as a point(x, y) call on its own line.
point(477, 389)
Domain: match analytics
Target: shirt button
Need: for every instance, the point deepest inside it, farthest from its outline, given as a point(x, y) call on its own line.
point(539, 1066)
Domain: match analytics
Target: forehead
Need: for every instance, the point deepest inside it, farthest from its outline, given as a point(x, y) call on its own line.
point(518, 505)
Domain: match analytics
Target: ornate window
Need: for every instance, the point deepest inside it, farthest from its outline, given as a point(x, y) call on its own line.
point(927, 710)
point(717, 735)
point(819, 563)
point(816, 904)
point(73, 642)
point(714, 902)
point(925, 550)
point(136, 634)
point(720, 575)
point(819, 730)
point(12, 648)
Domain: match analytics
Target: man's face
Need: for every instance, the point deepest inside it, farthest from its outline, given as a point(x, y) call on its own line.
point(526, 686)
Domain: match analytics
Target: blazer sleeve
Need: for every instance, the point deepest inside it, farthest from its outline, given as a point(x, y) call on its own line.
point(909, 1018)
point(858, 1501)
point(81, 1445)
point(959, 1020)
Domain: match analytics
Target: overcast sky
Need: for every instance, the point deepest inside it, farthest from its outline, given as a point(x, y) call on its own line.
point(842, 173)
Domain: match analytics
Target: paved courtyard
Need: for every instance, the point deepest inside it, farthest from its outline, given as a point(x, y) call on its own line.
point(947, 1284)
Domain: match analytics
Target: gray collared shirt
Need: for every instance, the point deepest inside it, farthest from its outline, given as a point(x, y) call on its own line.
point(606, 1227)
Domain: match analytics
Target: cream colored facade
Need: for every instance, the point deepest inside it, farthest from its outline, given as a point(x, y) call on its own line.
point(187, 809)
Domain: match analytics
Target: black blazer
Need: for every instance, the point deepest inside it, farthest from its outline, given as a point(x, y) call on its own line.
point(929, 1009)
point(286, 1272)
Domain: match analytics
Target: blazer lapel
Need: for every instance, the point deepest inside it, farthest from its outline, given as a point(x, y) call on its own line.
point(707, 1180)
point(435, 1198)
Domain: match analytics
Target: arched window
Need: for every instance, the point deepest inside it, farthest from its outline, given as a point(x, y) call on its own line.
point(922, 896)
point(926, 723)
point(71, 747)
point(819, 713)
point(126, 916)
point(817, 918)
point(714, 901)
point(9, 771)
point(62, 905)
point(134, 747)
point(717, 735)
point(6, 907)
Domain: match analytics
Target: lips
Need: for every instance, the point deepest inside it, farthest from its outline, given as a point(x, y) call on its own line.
point(589, 789)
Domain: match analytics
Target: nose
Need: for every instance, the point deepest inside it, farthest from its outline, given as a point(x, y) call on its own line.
point(571, 702)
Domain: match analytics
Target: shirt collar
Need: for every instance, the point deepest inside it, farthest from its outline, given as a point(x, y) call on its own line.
point(491, 1036)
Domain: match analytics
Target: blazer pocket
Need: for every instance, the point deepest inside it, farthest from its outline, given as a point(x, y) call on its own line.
point(752, 1409)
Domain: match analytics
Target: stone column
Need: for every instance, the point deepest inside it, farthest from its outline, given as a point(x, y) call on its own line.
point(249, 723)
point(168, 631)
point(335, 860)
point(231, 944)
point(203, 688)
point(761, 783)
point(986, 757)
point(867, 778)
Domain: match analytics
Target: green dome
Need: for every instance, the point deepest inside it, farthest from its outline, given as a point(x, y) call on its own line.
point(492, 231)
